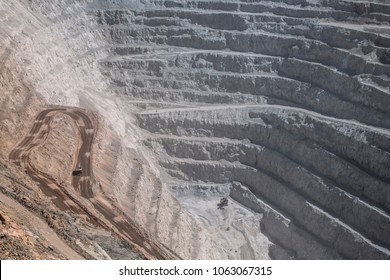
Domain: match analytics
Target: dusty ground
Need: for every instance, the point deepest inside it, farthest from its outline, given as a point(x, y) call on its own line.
point(26, 236)
point(48, 156)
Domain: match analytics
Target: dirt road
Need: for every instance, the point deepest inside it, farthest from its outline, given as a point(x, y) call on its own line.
point(114, 219)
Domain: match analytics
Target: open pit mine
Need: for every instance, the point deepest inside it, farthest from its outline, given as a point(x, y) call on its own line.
point(194, 129)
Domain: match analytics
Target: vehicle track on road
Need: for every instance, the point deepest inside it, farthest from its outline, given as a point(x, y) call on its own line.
point(114, 219)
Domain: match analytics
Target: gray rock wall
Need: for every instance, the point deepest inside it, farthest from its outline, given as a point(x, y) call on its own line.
point(288, 101)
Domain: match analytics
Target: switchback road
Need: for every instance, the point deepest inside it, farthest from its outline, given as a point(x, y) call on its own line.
point(114, 219)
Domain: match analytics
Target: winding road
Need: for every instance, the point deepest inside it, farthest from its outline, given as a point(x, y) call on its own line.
point(114, 219)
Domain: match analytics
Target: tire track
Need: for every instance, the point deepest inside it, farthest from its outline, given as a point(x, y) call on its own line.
point(114, 219)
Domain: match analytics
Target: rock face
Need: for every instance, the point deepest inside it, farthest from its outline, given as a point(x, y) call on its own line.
point(286, 101)
point(283, 106)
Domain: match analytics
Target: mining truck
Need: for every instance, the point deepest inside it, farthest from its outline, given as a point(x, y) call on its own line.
point(77, 172)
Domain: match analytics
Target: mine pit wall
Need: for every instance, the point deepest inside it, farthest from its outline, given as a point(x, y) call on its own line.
point(18, 99)
point(53, 60)
point(333, 208)
point(46, 59)
point(286, 54)
point(316, 163)
point(312, 187)
point(282, 174)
